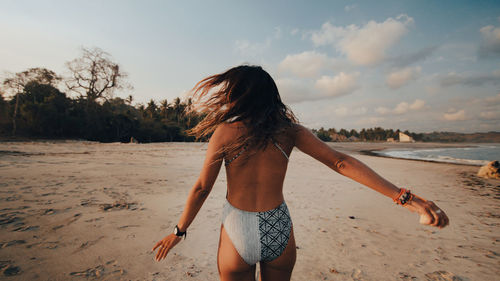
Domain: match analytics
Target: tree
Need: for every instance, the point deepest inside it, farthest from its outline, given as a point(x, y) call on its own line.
point(323, 135)
point(4, 114)
point(177, 107)
point(43, 110)
point(344, 132)
point(94, 75)
point(164, 108)
point(151, 109)
point(15, 84)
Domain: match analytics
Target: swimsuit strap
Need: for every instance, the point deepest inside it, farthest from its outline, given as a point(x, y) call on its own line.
point(227, 162)
point(236, 156)
point(281, 149)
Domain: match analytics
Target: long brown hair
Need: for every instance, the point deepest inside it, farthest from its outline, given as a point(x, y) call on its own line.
point(244, 93)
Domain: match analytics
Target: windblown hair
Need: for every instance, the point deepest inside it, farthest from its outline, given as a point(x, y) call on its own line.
point(243, 93)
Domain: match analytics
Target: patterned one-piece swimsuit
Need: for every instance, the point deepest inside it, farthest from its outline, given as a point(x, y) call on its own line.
point(257, 236)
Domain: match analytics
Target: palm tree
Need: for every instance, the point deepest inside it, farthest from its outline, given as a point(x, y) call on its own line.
point(177, 108)
point(151, 109)
point(164, 108)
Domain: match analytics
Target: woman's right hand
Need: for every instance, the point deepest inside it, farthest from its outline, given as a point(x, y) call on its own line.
point(165, 245)
point(430, 213)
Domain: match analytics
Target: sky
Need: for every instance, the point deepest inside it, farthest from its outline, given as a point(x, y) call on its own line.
point(420, 66)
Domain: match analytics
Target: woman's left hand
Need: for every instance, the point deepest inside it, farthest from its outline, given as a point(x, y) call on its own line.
point(165, 245)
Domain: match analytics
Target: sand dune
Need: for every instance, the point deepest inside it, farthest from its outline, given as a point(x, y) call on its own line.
point(85, 211)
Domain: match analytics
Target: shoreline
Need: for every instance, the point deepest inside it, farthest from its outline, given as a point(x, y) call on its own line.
point(369, 148)
point(372, 153)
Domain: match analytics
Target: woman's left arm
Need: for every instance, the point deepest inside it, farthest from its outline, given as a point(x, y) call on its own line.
point(198, 193)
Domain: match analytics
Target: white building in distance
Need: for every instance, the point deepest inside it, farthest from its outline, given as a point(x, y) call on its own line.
point(405, 138)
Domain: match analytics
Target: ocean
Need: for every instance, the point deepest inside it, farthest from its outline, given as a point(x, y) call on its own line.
point(478, 155)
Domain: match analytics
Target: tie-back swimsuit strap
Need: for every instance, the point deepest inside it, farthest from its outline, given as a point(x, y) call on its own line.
point(258, 236)
point(227, 162)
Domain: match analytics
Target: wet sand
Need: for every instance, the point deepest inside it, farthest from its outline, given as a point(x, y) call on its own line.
point(90, 211)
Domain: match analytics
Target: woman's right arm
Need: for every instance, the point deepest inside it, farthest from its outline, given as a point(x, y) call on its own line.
point(351, 167)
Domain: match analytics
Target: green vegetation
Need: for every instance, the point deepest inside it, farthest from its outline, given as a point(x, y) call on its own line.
point(380, 134)
point(46, 112)
point(39, 109)
point(371, 134)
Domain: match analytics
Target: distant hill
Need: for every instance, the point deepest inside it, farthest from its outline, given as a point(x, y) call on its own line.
point(460, 137)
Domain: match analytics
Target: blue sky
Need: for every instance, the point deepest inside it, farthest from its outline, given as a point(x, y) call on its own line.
point(421, 66)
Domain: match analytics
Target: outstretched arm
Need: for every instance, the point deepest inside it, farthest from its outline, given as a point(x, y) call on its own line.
point(198, 193)
point(351, 167)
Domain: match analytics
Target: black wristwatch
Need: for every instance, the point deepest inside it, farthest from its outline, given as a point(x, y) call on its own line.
point(177, 232)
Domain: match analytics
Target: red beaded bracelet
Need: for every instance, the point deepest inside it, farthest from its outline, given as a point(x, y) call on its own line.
point(403, 197)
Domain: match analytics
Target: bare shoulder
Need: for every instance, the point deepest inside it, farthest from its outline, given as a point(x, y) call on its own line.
point(298, 128)
point(225, 132)
point(220, 133)
point(301, 134)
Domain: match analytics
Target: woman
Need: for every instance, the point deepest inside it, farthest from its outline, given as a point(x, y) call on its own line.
point(254, 134)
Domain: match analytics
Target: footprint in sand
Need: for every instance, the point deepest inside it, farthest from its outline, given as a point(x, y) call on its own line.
point(127, 226)
point(10, 218)
point(11, 243)
point(27, 228)
point(88, 244)
point(100, 270)
point(119, 205)
point(357, 274)
point(48, 212)
point(406, 276)
point(442, 276)
point(8, 269)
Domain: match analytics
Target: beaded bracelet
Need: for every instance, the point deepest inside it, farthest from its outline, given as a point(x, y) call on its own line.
point(404, 197)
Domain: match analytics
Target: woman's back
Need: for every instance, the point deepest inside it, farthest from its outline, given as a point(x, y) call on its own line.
point(255, 178)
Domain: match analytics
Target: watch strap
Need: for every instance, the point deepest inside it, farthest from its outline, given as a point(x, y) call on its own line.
point(177, 232)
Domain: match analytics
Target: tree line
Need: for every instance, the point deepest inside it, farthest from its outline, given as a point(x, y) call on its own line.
point(370, 134)
point(39, 108)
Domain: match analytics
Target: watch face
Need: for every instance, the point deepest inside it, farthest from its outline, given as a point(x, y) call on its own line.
point(176, 230)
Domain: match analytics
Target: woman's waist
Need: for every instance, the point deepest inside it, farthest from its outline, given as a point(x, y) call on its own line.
point(254, 204)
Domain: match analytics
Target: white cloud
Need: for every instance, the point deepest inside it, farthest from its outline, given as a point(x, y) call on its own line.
point(493, 100)
point(345, 111)
point(299, 90)
point(349, 8)
point(364, 45)
point(401, 108)
point(305, 64)
point(246, 48)
point(401, 77)
point(382, 110)
point(417, 104)
point(455, 116)
point(369, 121)
point(490, 115)
point(294, 90)
point(339, 85)
point(469, 79)
point(490, 45)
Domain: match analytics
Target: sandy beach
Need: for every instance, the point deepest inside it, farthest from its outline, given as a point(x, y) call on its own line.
point(75, 210)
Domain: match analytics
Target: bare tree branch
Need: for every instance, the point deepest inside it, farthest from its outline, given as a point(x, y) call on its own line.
point(95, 74)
